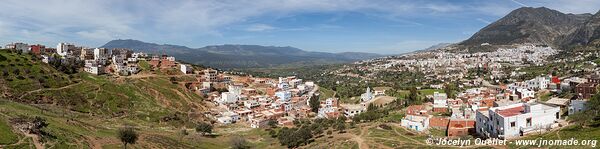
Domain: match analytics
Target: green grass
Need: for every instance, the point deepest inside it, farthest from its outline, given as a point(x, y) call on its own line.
point(25, 73)
point(545, 96)
point(325, 93)
point(7, 136)
point(574, 131)
point(425, 92)
point(144, 65)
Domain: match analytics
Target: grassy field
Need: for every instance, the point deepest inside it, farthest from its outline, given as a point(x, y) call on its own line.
point(425, 92)
point(325, 93)
point(23, 72)
point(85, 111)
point(575, 131)
point(7, 136)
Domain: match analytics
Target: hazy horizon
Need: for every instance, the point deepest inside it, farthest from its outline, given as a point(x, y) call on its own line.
point(383, 27)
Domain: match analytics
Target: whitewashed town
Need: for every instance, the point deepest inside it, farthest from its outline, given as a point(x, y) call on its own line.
point(485, 110)
point(293, 74)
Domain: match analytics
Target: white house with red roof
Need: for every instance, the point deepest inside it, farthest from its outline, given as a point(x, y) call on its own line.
point(516, 120)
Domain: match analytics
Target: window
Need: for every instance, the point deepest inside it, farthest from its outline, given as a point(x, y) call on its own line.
point(512, 124)
point(528, 121)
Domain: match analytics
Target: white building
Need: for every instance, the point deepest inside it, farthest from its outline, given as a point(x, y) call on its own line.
point(516, 120)
point(284, 96)
point(101, 54)
point(352, 110)
point(415, 122)
point(538, 83)
point(525, 93)
point(228, 117)
point(224, 120)
point(250, 104)
point(368, 95)
point(228, 97)
point(23, 47)
point(185, 69)
point(97, 70)
point(577, 106)
point(440, 99)
point(62, 49)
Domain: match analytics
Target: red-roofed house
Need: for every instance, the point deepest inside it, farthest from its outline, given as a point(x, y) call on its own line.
point(461, 127)
point(439, 122)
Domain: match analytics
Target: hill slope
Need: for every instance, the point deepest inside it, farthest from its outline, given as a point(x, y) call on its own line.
point(241, 56)
point(528, 25)
point(585, 35)
point(85, 111)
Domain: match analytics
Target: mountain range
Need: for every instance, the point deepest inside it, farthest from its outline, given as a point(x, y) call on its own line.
point(241, 56)
point(542, 26)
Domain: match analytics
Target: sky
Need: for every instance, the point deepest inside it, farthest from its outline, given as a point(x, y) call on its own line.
point(376, 26)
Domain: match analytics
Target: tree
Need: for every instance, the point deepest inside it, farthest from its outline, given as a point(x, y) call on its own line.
point(272, 123)
point(204, 128)
point(238, 142)
point(38, 124)
point(341, 127)
point(314, 103)
point(273, 133)
point(128, 136)
point(413, 97)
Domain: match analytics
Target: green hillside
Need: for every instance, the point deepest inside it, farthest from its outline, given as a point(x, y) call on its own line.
point(85, 111)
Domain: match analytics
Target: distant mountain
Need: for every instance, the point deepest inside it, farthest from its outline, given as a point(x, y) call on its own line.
point(529, 25)
point(587, 34)
point(241, 56)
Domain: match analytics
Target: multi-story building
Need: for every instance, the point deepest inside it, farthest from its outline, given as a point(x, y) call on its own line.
point(353, 109)
point(539, 82)
point(87, 54)
point(515, 120)
point(23, 47)
point(101, 54)
point(63, 49)
point(37, 49)
point(210, 75)
point(185, 69)
point(440, 102)
point(586, 90)
point(284, 96)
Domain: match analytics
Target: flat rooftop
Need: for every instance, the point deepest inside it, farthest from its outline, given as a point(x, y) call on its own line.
point(511, 111)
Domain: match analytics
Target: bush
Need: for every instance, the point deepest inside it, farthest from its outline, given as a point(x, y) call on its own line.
point(127, 135)
point(204, 128)
point(237, 142)
point(384, 126)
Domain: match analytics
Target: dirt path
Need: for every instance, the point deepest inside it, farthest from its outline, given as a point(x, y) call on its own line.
point(399, 134)
point(49, 89)
point(36, 140)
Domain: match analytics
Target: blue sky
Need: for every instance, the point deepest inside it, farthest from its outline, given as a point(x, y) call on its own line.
point(381, 26)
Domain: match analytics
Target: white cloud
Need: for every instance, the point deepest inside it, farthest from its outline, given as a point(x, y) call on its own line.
point(259, 28)
point(483, 21)
point(519, 3)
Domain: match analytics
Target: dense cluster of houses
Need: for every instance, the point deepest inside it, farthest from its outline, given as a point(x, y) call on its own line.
point(441, 65)
point(256, 101)
point(505, 111)
point(96, 60)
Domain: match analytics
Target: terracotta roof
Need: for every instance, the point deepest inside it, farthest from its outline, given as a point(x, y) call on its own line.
point(511, 111)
